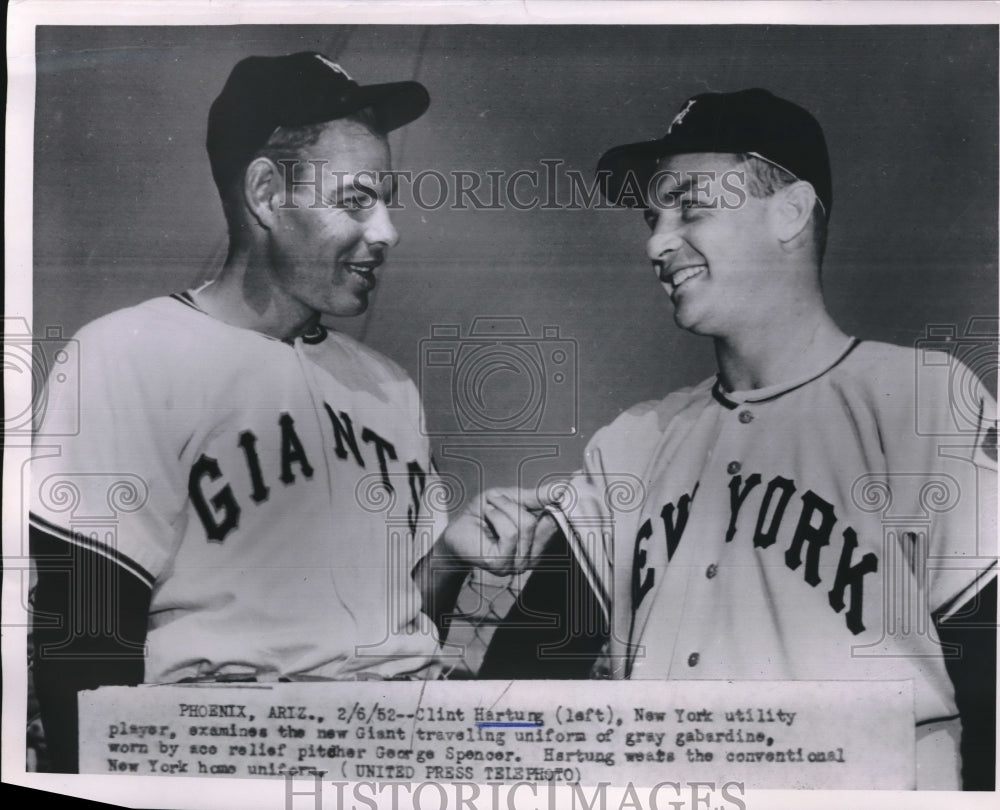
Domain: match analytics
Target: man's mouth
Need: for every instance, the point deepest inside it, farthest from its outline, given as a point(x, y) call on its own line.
point(676, 278)
point(363, 270)
point(362, 267)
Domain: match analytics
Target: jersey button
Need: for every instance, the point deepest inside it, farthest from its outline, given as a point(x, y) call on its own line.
point(711, 571)
point(734, 467)
point(746, 417)
point(693, 659)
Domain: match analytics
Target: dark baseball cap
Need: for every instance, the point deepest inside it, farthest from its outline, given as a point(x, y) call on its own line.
point(751, 121)
point(266, 92)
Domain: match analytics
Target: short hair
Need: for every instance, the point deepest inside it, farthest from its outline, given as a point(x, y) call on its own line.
point(764, 179)
point(287, 143)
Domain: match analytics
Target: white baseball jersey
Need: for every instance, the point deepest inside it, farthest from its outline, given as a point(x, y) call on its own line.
point(805, 531)
point(272, 494)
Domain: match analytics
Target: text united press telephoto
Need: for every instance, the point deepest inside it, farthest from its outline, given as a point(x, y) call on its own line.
point(373, 455)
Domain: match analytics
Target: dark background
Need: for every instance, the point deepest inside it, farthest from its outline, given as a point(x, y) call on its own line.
point(125, 209)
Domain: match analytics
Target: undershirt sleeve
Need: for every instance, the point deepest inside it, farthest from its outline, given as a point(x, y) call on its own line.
point(89, 618)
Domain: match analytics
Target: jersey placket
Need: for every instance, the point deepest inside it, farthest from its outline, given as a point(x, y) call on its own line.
point(647, 657)
point(707, 567)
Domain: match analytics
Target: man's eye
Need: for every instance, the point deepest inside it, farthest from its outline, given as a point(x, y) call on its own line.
point(691, 207)
point(351, 204)
point(651, 218)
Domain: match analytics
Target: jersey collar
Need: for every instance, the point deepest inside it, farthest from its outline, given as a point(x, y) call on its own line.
point(733, 399)
point(315, 335)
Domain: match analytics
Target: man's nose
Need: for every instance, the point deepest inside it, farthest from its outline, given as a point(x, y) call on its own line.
point(664, 240)
point(379, 229)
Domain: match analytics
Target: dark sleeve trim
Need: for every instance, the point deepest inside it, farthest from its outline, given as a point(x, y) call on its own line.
point(930, 720)
point(969, 641)
point(554, 629)
point(588, 568)
point(78, 539)
point(982, 580)
point(186, 299)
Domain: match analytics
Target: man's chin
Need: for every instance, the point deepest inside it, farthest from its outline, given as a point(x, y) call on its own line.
point(681, 318)
point(688, 322)
point(349, 309)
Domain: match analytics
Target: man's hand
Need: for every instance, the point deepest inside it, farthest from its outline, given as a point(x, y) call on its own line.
point(504, 531)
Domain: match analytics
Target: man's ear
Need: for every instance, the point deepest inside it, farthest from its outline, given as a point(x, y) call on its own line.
point(792, 210)
point(261, 187)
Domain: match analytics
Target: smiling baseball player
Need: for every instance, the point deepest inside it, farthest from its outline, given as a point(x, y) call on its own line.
point(784, 519)
point(266, 478)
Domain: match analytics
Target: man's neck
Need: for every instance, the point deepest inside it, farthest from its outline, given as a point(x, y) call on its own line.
point(769, 354)
point(241, 296)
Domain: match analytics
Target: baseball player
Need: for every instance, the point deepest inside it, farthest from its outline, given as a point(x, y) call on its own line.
point(821, 508)
point(250, 493)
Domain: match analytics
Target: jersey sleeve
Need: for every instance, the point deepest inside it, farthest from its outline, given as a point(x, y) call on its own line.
point(964, 556)
point(433, 494)
point(943, 468)
point(105, 468)
point(603, 498)
point(580, 508)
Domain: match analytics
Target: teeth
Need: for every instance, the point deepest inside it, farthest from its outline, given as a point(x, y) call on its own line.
point(681, 276)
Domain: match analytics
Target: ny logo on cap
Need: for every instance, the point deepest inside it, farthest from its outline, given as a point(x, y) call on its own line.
point(334, 66)
point(681, 115)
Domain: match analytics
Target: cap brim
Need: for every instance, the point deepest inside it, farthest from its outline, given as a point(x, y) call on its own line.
point(627, 169)
point(394, 105)
point(618, 163)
